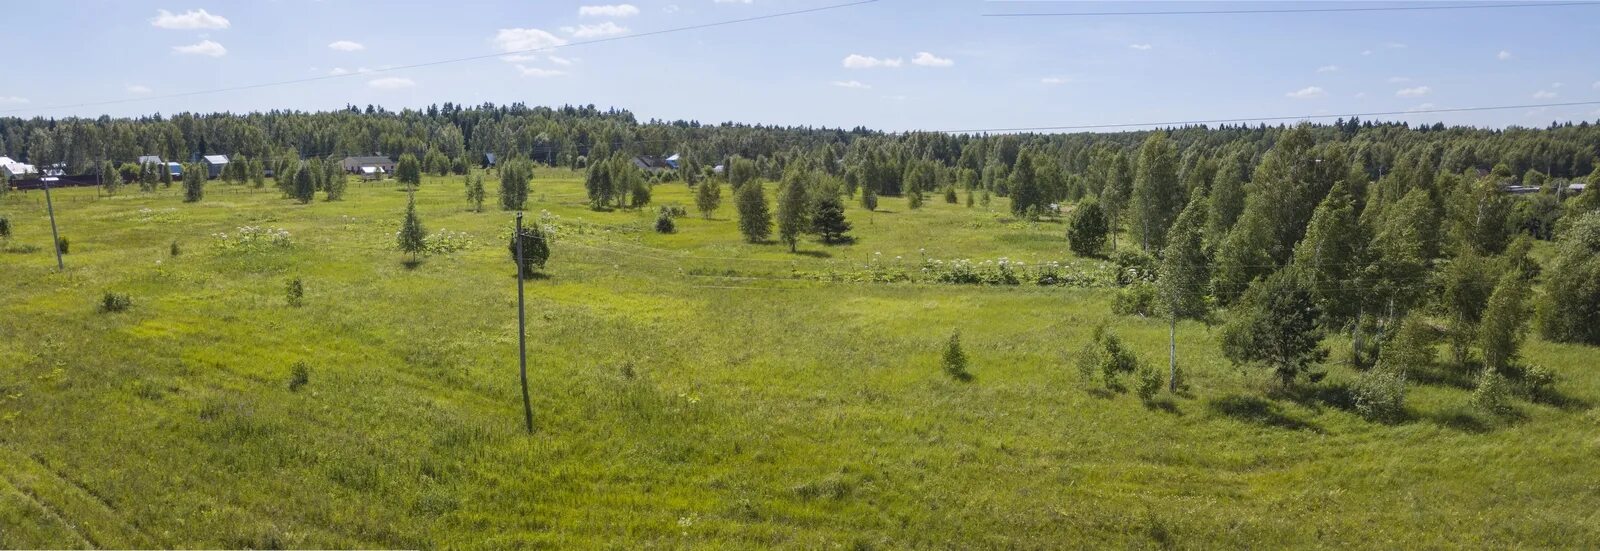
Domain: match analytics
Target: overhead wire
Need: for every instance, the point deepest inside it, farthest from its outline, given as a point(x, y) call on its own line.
point(1291, 11)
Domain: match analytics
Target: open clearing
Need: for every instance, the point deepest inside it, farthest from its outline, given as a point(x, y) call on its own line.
point(689, 390)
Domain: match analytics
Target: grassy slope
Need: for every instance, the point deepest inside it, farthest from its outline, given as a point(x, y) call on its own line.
point(677, 409)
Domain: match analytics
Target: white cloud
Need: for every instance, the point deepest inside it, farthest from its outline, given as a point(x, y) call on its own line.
point(560, 60)
point(1366, 52)
point(851, 84)
point(1140, 47)
point(1544, 94)
point(1423, 107)
point(13, 99)
point(512, 40)
point(1052, 80)
point(1395, 45)
point(1503, 55)
point(346, 46)
point(1327, 68)
point(609, 10)
point(189, 20)
point(391, 83)
point(539, 72)
point(1309, 92)
point(595, 31)
point(338, 71)
point(1416, 92)
point(927, 59)
point(203, 47)
point(858, 61)
point(1398, 80)
point(1555, 85)
point(520, 58)
point(671, 8)
point(138, 89)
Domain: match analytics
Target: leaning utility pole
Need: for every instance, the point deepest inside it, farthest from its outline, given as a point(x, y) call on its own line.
point(54, 235)
point(522, 331)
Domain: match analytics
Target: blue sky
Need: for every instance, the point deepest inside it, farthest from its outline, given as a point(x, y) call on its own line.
point(894, 64)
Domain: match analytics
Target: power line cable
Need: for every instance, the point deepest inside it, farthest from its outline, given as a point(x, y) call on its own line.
point(1293, 11)
point(450, 60)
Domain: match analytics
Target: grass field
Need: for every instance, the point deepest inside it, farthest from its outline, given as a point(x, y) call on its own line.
point(688, 392)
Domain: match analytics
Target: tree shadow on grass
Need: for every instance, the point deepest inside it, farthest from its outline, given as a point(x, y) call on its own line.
point(1164, 404)
point(532, 276)
point(1444, 375)
point(1338, 396)
point(1460, 419)
point(1555, 398)
point(411, 263)
point(1251, 409)
point(815, 254)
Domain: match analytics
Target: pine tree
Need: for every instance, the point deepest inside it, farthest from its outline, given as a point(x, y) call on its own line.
point(793, 212)
point(1024, 185)
point(707, 197)
point(755, 222)
point(411, 237)
point(954, 359)
point(1275, 324)
point(110, 179)
point(1086, 233)
point(194, 182)
point(1183, 276)
point(305, 184)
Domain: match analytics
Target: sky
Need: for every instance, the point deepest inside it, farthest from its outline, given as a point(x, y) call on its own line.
point(891, 65)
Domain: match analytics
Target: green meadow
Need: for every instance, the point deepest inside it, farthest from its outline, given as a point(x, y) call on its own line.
point(690, 390)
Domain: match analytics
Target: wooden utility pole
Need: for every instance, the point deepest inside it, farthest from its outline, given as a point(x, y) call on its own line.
point(522, 331)
point(54, 235)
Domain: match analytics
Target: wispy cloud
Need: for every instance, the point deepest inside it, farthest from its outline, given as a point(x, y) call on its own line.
point(189, 20)
point(607, 28)
point(1052, 80)
point(1327, 68)
point(895, 98)
point(1423, 107)
point(203, 47)
point(1140, 47)
point(391, 83)
point(1309, 92)
point(343, 71)
point(560, 60)
point(927, 59)
point(346, 46)
point(138, 89)
point(13, 99)
point(851, 84)
point(1544, 94)
point(858, 61)
point(1414, 92)
point(539, 72)
point(512, 40)
point(609, 10)
point(1504, 55)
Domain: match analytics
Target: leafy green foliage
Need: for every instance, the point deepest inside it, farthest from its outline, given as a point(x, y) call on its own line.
point(115, 302)
point(299, 376)
point(305, 184)
point(1568, 311)
point(1106, 355)
point(514, 177)
point(827, 218)
point(475, 192)
point(1158, 196)
point(1275, 325)
point(535, 248)
point(755, 222)
point(1086, 232)
point(1505, 322)
point(294, 292)
point(664, 223)
point(1380, 394)
point(794, 212)
point(708, 197)
point(194, 182)
point(954, 359)
point(408, 170)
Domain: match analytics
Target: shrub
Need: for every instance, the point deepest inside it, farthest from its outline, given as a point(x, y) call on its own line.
point(954, 360)
point(299, 374)
point(1134, 266)
point(1537, 381)
point(1149, 383)
point(5, 225)
point(63, 245)
point(1138, 299)
point(1086, 232)
point(173, 249)
point(294, 292)
point(1493, 392)
point(446, 242)
point(950, 194)
point(1380, 394)
point(535, 249)
point(1106, 354)
point(664, 223)
point(253, 239)
point(114, 302)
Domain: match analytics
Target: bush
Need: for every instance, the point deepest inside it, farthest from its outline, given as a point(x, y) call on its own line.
point(1086, 232)
point(1537, 381)
point(1149, 383)
point(1380, 394)
point(955, 360)
point(63, 245)
point(664, 223)
point(299, 374)
point(1106, 354)
point(446, 242)
point(294, 292)
point(114, 302)
point(5, 225)
point(1493, 394)
point(535, 249)
point(1138, 299)
point(1134, 266)
point(173, 250)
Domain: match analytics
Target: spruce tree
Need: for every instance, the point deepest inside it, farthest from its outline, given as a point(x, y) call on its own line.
point(707, 197)
point(828, 221)
point(411, 237)
point(194, 182)
point(1024, 185)
point(793, 214)
point(305, 184)
point(110, 179)
point(755, 222)
point(954, 359)
point(1275, 325)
